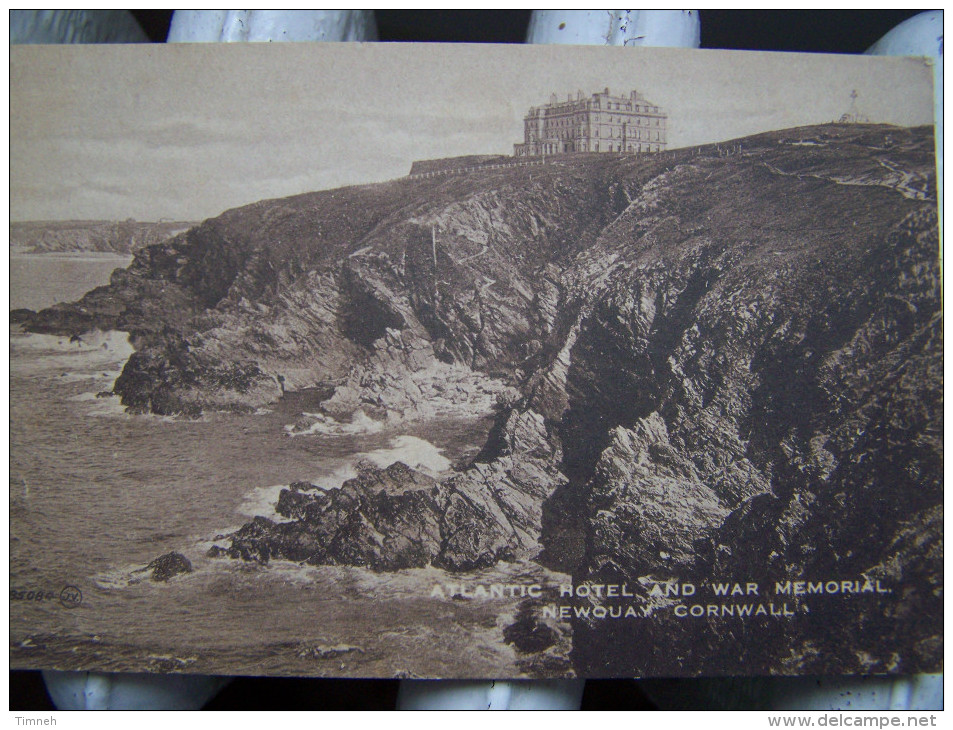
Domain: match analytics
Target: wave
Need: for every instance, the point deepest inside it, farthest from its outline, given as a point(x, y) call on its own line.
point(124, 576)
point(103, 405)
point(111, 406)
point(110, 341)
point(414, 452)
point(261, 501)
point(134, 574)
point(324, 425)
point(114, 578)
point(93, 356)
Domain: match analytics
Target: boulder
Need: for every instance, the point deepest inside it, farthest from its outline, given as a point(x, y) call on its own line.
point(168, 566)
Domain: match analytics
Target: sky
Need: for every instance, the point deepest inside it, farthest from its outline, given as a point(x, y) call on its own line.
point(186, 131)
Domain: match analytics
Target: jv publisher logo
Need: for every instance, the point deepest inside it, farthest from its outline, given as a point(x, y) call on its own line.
point(71, 596)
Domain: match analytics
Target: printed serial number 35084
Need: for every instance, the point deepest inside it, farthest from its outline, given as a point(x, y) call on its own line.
point(69, 596)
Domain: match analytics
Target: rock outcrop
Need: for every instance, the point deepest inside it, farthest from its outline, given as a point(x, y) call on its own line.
point(167, 566)
point(397, 517)
point(404, 380)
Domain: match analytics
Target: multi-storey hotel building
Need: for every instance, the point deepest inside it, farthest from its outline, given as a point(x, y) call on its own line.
point(597, 123)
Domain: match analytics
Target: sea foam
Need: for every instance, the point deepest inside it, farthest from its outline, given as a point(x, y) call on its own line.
point(261, 502)
point(324, 425)
point(93, 356)
point(412, 451)
point(101, 405)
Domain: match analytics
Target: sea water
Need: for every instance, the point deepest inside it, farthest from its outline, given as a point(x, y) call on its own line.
point(41, 280)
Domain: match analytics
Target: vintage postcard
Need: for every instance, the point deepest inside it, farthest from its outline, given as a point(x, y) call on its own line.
point(365, 360)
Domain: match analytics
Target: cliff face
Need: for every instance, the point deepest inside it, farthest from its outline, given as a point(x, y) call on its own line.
point(729, 359)
point(774, 415)
point(301, 290)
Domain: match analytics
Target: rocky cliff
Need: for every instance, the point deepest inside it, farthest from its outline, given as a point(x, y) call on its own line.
point(719, 361)
point(395, 518)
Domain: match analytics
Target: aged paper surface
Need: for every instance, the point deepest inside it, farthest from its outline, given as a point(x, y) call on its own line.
point(473, 361)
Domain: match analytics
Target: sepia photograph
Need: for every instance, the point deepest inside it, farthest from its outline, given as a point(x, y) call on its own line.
point(457, 361)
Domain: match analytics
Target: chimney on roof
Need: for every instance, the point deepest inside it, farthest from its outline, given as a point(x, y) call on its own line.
point(606, 91)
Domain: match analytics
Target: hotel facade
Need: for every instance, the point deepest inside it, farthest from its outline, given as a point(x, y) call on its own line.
point(596, 123)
